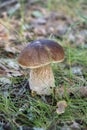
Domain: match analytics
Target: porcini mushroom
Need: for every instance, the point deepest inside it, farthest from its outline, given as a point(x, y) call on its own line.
point(38, 55)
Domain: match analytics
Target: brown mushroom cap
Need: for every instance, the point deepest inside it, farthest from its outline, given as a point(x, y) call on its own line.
point(39, 53)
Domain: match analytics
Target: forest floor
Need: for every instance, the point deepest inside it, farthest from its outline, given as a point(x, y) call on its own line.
point(22, 22)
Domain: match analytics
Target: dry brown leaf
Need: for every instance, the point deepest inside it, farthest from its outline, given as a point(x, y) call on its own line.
point(3, 33)
point(40, 31)
point(3, 72)
point(77, 91)
point(9, 67)
point(61, 107)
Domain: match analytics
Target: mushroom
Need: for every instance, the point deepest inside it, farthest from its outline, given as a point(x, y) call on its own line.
point(38, 56)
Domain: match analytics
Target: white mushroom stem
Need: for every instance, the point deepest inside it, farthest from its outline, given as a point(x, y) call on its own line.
point(42, 80)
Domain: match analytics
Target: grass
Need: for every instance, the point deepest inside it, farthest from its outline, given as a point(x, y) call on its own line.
point(65, 6)
point(32, 111)
point(21, 109)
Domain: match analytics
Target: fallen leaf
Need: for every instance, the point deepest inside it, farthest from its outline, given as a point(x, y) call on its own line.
point(62, 29)
point(75, 126)
point(77, 91)
point(13, 9)
point(65, 127)
point(9, 67)
point(61, 107)
point(3, 34)
point(40, 31)
point(5, 80)
point(39, 21)
point(37, 14)
point(10, 63)
point(2, 72)
point(77, 70)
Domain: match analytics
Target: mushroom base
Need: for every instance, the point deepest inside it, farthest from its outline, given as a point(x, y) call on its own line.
point(42, 80)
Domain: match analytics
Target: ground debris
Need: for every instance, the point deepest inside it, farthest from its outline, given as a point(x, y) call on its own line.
point(61, 107)
point(76, 91)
